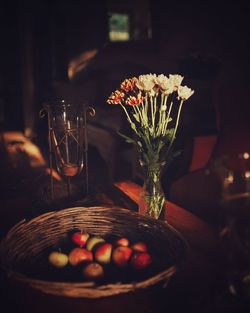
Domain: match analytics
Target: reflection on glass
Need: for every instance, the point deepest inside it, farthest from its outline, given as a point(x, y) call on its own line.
point(68, 139)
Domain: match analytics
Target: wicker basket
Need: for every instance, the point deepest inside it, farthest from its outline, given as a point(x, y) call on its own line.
point(29, 241)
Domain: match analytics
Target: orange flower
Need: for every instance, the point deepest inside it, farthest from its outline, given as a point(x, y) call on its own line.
point(116, 97)
point(129, 84)
point(134, 100)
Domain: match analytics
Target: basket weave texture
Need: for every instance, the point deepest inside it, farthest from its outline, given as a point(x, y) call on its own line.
point(27, 242)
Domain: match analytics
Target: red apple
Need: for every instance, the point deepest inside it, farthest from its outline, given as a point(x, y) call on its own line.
point(122, 242)
point(93, 271)
point(139, 247)
point(93, 241)
point(121, 255)
point(58, 259)
point(80, 238)
point(141, 261)
point(103, 253)
point(78, 255)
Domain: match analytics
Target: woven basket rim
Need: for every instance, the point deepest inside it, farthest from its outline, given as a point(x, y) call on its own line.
point(90, 289)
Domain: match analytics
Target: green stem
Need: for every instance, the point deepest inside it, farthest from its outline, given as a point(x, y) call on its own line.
point(176, 126)
point(144, 111)
point(129, 119)
point(163, 116)
point(146, 106)
point(168, 116)
point(159, 126)
point(126, 112)
point(138, 113)
point(155, 109)
point(154, 197)
point(152, 112)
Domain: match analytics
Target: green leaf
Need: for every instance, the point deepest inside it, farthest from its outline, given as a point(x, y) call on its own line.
point(170, 132)
point(127, 139)
point(139, 144)
point(145, 157)
point(133, 126)
point(168, 156)
point(166, 140)
point(136, 117)
point(168, 136)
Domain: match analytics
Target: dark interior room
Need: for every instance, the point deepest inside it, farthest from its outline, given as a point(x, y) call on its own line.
point(154, 100)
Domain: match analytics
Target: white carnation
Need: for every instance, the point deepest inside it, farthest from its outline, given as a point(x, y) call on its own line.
point(165, 84)
point(184, 92)
point(176, 80)
point(146, 82)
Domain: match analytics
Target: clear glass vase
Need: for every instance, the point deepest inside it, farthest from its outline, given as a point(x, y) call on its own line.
point(67, 136)
point(152, 198)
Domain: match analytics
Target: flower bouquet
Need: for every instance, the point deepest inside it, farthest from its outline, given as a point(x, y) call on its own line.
point(148, 103)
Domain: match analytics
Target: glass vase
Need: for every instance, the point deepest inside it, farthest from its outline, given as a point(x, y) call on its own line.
point(67, 136)
point(152, 198)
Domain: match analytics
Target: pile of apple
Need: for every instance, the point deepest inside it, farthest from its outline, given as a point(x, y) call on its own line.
point(93, 253)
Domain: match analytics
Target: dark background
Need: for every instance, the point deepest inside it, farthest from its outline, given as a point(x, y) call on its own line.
point(206, 41)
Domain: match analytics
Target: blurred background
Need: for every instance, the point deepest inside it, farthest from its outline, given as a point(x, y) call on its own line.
point(82, 50)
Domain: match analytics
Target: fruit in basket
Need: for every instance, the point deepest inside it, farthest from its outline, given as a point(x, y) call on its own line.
point(93, 271)
point(80, 238)
point(139, 247)
point(103, 253)
point(79, 255)
point(121, 255)
point(123, 241)
point(58, 259)
point(93, 241)
point(141, 261)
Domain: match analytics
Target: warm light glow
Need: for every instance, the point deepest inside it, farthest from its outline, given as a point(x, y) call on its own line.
point(16, 144)
point(230, 178)
point(118, 36)
point(247, 174)
point(55, 175)
point(28, 132)
point(79, 63)
point(246, 155)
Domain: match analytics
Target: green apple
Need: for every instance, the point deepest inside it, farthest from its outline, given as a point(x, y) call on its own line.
point(58, 259)
point(93, 241)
